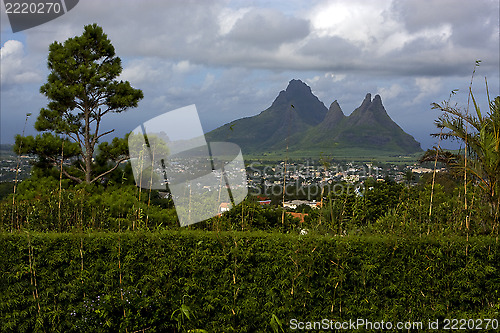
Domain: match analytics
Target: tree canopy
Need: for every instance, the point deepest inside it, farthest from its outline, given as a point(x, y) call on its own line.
point(82, 87)
point(481, 134)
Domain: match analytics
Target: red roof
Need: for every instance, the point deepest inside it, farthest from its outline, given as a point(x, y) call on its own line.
point(300, 216)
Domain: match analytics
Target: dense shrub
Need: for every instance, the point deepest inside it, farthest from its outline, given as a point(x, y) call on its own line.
point(42, 205)
point(238, 281)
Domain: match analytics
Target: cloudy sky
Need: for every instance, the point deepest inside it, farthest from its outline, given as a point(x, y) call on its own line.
point(231, 58)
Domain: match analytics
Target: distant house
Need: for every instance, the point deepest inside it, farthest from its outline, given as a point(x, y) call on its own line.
point(300, 216)
point(224, 207)
point(295, 203)
point(351, 178)
point(264, 202)
point(421, 170)
point(426, 170)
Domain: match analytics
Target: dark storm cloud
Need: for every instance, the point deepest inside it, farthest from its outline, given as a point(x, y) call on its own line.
point(474, 24)
point(419, 14)
point(232, 58)
point(332, 50)
point(268, 27)
point(421, 33)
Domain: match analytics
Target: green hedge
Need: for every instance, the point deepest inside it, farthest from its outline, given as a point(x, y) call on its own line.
point(238, 281)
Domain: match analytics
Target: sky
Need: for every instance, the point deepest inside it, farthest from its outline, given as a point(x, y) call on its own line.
point(232, 58)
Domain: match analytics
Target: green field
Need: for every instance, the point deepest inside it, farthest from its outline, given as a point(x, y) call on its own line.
point(346, 155)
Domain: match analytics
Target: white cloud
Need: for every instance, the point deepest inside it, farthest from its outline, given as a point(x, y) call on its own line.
point(15, 68)
point(390, 92)
point(361, 22)
point(325, 79)
point(436, 36)
point(228, 17)
point(427, 86)
point(335, 77)
point(144, 70)
point(183, 66)
point(11, 48)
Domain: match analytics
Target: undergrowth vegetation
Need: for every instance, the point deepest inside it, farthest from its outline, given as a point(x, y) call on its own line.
point(45, 204)
point(238, 281)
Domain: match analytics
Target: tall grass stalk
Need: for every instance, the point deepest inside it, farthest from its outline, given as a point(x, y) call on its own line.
point(81, 262)
point(237, 290)
point(217, 220)
point(150, 187)
point(321, 206)
point(60, 186)
point(120, 272)
point(284, 186)
point(434, 180)
point(141, 157)
point(495, 225)
point(286, 162)
point(326, 165)
point(31, 258)
point(467, 222)
point(17, 172)
point(80, 224)
point(242, 216)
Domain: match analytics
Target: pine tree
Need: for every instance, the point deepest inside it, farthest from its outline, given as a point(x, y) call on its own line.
point(82, 88)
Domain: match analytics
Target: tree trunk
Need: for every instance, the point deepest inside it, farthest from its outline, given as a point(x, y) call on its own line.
point(88, 165)
point(88, 148)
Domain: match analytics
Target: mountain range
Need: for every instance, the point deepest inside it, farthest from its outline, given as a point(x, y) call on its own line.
point(299, 120)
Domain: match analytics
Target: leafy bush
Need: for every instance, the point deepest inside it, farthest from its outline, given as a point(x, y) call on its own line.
point(238, 281)
point(40, 205)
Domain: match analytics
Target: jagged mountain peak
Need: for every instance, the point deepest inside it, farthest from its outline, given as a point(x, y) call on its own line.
point(295, 91)
point(378, 109)
point(335, 109)
point(297, 86)
point(334, 116)
point(306, 105)
point(309, 125)
point(369, 106)
point(367, 101)
point(377, 103)
point(335, 104)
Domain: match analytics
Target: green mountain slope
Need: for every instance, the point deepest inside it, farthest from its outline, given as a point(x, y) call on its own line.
point(269, 129)
point(369, 126)
point(300, 120)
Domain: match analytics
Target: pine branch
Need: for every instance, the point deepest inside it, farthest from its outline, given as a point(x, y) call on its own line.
point(110, 170)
